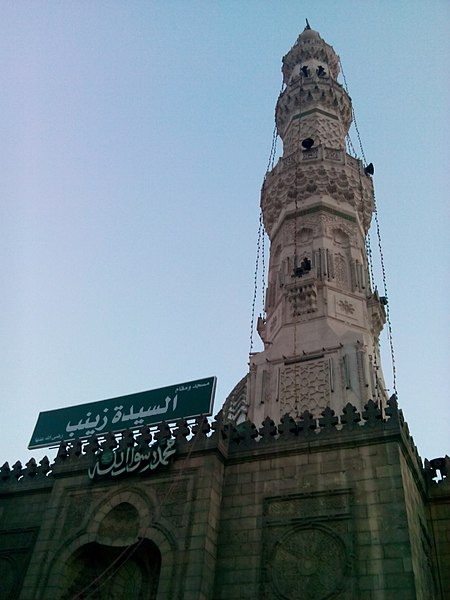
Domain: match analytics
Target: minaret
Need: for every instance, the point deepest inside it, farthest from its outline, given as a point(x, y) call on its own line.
point(323, 321)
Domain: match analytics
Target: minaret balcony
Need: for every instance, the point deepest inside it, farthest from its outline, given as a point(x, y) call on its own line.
point(314, 154)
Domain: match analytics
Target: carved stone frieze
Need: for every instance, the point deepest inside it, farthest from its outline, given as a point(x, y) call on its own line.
point(305, 386)
point(307, 546)
point(301, 95)
point(333, 154)
point(266, 386)
point(308, 506)
point(323, 130)
point(341, 271)
point(320, 222)
point(303, 297)
point(346, 307)
point(377, 314)
point(303, 101)
point(319, 177)
point(342, 235)
point(308, 563)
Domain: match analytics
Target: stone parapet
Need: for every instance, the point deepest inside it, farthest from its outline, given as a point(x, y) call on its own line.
point(228, 441)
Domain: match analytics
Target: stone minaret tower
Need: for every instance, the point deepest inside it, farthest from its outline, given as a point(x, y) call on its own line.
point(322, 321)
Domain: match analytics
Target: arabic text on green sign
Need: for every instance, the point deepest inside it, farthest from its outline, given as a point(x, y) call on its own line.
point(184, 400)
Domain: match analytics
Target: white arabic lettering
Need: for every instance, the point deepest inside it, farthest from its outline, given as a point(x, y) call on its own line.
point(118, 414)
point(138, 417)
point(90, 426)
point(119, 462)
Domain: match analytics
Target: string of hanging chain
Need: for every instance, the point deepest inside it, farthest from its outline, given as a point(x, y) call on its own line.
point(260, 246)
point(369, 247)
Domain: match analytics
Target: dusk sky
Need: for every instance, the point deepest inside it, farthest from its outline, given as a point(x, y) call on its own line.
point(134, 140)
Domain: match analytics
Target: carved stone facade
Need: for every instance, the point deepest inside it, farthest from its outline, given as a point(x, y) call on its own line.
point(335, 507)
point(317, 205)
point(307, 562)
point(305, 386)
point(320, 494)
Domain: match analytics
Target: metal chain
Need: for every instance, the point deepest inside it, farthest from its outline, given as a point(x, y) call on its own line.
point(255, 287)
point(260, 245)
point(295, 316)
point(385, 291)
point(294, 267)
point(353, 114)
point(369, 253)
point(370, 262)
point(263, 266)
point(343, 76)
point(358, 135)
point(372, 287)
point(273, 150)
point(350, 146)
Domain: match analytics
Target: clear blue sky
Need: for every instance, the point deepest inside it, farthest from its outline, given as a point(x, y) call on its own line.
point(134, 140)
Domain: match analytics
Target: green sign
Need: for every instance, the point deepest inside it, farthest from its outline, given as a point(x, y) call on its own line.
point(184, 400)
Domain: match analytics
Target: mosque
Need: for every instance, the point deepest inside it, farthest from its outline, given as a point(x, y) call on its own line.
point(307, 483)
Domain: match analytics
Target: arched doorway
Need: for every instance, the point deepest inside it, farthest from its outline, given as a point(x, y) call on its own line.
point(101, 572)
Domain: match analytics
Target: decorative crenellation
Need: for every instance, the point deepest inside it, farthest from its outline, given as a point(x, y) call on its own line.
point(202, 433)
point(437, 471)
point(31, 471)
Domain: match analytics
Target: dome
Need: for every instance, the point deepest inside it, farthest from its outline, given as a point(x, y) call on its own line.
point(309, 34)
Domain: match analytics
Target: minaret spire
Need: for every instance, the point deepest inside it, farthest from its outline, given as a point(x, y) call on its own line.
point(307, 25)
point(322, 320)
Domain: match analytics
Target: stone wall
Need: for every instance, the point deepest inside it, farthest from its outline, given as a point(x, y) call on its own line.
point(438, 514)
point(335, 507)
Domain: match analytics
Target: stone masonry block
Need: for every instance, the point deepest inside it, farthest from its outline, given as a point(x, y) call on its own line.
point(387, 471)
point(370, 552)
point(389, 496)
point(396, 550)
point(370, 583)
point(379, 566)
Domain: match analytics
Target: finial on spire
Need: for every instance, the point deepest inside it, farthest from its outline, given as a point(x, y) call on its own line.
point(307, 25)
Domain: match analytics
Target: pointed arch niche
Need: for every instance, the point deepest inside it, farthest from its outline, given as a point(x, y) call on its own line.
point(342, 258)
point(123, 552)
point(104, 572)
